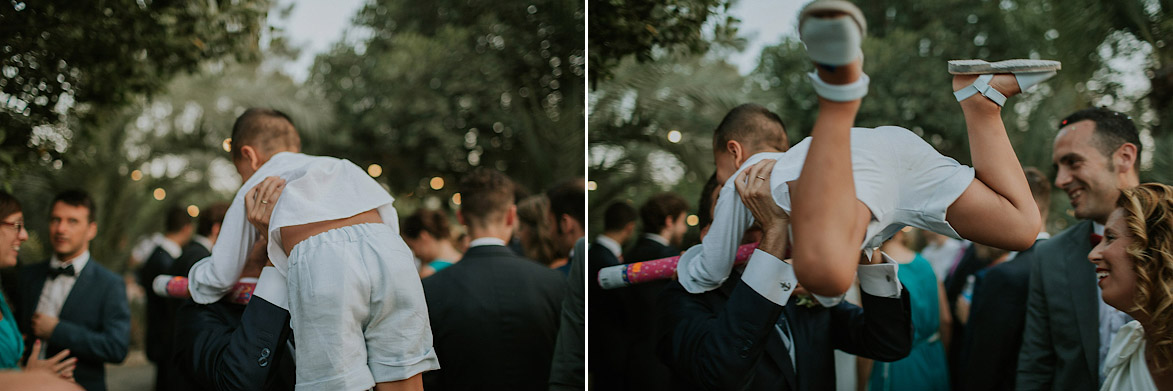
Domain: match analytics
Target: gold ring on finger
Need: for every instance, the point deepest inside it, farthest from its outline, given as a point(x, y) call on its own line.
point(760, 177)
point(264, 201)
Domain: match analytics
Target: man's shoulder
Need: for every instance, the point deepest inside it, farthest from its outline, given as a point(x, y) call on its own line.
point(102, 272)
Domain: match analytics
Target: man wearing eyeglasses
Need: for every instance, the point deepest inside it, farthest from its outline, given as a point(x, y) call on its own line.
point(73, 302)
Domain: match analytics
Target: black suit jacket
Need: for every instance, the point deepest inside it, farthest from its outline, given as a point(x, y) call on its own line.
point(160, 310)
point(494, 319)
point(609, 319)
point(989, 351)
point(226, 347)
point(646, 249)
point(94, 323)
point(192, 253)
point(726, 339)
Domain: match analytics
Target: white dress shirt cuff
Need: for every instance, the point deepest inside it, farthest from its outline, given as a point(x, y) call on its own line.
point(770, 277)
point(880, 280)
point(271, 286)
point(827, 301)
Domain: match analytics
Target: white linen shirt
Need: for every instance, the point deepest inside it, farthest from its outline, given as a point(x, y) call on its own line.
point(55, 291)
point(317, 189)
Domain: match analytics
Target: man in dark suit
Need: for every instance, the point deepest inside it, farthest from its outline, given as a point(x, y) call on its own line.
point(72, 301)
point(200, 247)
point(1068, 325)
point(663, 218)
point(753, 333)
point(993, 335)
point(177, 231)
point(609, 311)
point(226, 346)
point(494, 315)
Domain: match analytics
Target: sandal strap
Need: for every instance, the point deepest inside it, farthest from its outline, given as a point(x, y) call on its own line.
point(841, 92)
point(981, 86)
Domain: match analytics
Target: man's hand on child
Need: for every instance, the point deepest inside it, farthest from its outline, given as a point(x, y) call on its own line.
point(259, 203)
point(753, 186)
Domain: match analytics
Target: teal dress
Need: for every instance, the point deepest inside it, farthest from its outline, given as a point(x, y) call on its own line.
point(925, 367)
point(439, 264)
point(11, 346)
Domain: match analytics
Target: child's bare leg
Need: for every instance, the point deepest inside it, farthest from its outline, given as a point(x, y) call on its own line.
point(829, 222)
point(997, 208)
point(414, 383)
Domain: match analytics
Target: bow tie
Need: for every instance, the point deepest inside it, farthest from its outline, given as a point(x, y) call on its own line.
point(1095, 239)
point(64, 270)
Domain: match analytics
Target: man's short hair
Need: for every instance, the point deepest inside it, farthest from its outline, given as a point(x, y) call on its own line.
point(660, 207)
point(705, 214)
point(568, 198)
point(76, 197)
point(212, 216)
point(1113, 129)
point(267, 130)
point(618, 215)
point(754, 126)
point(1040, 187)
point(176, 218)
point(485, 195)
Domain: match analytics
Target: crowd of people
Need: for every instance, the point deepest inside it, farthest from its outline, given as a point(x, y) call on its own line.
point(377, 303)
point(957, 284)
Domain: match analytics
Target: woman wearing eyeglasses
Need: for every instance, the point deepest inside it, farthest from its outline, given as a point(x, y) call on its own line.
point(12, 235)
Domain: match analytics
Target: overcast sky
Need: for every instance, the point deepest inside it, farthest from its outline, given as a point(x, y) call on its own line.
point(314, 26)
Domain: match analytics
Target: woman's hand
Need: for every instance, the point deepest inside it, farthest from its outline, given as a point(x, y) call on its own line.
point(753, 185)
point(61, 364)
point(259, 203)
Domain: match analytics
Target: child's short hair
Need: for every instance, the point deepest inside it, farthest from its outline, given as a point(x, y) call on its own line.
point(267, 130)
point(485, 195)
point(752, 125)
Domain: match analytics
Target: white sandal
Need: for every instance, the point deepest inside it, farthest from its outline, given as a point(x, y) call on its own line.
point(1028, 73)
point(834, 42)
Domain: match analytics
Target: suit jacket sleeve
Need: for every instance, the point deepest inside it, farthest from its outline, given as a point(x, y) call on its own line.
point(993, 334)
point(1036, 359)
point(227, 357)
point(108, 344)
point(567, 371)
point(883, 332)
point(714, 349)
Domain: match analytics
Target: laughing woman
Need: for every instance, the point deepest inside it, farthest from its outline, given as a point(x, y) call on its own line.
point(1134, 265)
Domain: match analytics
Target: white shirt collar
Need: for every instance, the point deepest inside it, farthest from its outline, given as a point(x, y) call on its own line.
point(171, 248)
point(1098, 228)
point(1043, 235)
point(486, 241)
point(203, 241)
point(610, 244)
point(78, 262)
point(657, 238)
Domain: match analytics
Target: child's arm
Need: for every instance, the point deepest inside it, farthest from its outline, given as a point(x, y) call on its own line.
point(212, 277)
point(710, 269)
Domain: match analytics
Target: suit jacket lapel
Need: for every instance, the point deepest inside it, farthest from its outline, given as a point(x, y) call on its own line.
point(1081, 279)
point(777, 351)
point(81, 287)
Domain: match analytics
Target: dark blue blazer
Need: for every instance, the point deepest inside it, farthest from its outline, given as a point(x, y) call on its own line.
point(228, 347)
point(494, 318)
point(725, 339)
point(609, 318)
point(94, 320)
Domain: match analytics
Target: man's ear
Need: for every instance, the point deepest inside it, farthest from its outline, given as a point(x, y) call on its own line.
point(511, 216)
point(1125, 158)
point(460, 217)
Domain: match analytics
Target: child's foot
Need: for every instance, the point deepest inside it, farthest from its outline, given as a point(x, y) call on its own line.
point(998, 81)
point(832, 31)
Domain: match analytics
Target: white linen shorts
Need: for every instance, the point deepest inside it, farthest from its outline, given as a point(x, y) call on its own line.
point(357, 310)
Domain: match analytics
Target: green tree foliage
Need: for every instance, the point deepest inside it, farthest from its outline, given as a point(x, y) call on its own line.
point(437, 88)
point(622, 28)
point(76, 63)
